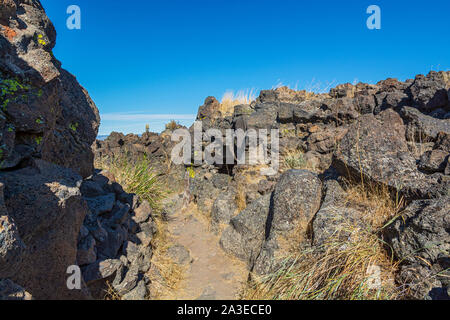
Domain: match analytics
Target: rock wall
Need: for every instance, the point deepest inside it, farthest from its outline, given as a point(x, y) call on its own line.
point(47, 126)
point(115, 241)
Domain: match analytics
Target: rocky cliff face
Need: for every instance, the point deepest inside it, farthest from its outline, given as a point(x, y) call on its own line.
point(47, 126)
point(45, 112)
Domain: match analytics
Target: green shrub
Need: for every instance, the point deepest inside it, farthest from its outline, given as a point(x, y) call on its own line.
point(295, 160)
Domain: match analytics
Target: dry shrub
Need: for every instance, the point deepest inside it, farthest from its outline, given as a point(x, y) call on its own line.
point(335, 271)
point(172, 125)
point(343, 267)
point(231, 100)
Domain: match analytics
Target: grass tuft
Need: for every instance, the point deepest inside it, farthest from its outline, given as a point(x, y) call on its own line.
point(231, 100)
point(295, 160)
point(172, 125)
point(136, 177)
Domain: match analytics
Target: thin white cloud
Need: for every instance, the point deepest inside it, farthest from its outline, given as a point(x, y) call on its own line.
point(145, 116)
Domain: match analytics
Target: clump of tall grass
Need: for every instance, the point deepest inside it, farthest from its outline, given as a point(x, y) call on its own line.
point(337, 270)
point(342, 267)
point(136, 177)
point(231, 100)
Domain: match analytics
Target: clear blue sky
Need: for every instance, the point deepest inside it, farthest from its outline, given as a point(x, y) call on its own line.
point(148, 61)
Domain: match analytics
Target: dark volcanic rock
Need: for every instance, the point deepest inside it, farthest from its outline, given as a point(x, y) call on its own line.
point(224, 208)
point(50, 116)
point(443, 142)
point(137, 294)
point(296, 200)
point(101, 270)
point(12, 292)
point(87, 252)
point(11, 245)
point(335, 216)
point(375, 148)
point(430, 92)
point(246, 233)
point(45, 203)
point(421, 127)
point(296, 197)
point(101, 204)
point(421, 240)
point(434, 161)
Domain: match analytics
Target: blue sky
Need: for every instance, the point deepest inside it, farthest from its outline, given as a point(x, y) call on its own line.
point(151, 61)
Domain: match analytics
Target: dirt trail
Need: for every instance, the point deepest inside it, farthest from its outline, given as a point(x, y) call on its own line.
point(212, 275)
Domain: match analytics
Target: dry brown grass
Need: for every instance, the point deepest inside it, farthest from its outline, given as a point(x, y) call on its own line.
point(231, 100)
point(341, 268)
point(241, 197)
point(379, 203)
point(170, 274)
point(111, 294)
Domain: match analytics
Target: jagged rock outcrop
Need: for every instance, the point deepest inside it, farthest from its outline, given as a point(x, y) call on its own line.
point(375, 149)
point(47, 126)
point(392, 134)
point(45, 112)
point(336, 219)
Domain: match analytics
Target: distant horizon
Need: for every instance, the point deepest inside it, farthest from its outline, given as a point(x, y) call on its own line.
point(159, 121)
